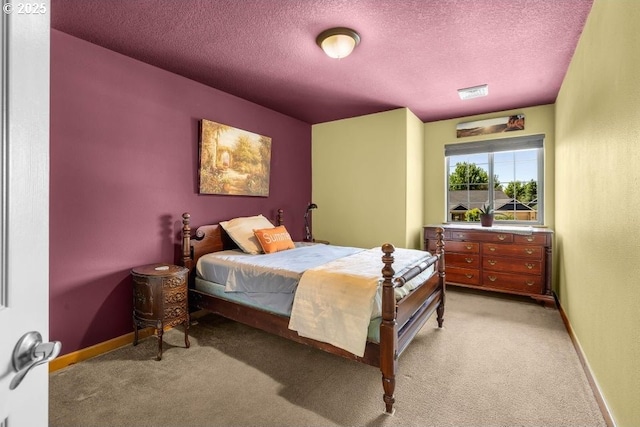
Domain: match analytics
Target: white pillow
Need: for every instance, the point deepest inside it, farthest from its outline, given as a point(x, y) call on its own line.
point(241, 231)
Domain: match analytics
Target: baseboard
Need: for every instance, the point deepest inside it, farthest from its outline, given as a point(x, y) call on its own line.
point(96, 350)
point(106, 346)
point(604, 409)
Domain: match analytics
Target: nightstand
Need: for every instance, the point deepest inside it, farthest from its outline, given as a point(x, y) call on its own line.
point(160, 300)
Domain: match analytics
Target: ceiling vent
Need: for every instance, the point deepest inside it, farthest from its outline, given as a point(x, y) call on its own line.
point(473, 92)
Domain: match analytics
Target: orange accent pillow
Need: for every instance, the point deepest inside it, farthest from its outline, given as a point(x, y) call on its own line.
point(274, 239)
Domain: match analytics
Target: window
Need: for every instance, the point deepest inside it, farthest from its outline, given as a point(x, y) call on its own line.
point(506, 174)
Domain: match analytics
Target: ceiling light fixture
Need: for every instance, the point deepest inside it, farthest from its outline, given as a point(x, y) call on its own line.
point(338, 42)
point(473, 92)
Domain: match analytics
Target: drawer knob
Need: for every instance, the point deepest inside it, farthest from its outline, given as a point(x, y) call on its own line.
point(492, 248)
point(531, 239)
point(469, 276)
point(468, 246)
point(492, 261)
point(460, 235)
point(492, 278)
point(529, 283)
point(529, 251)
point(469, 260)
point(501, 237)
point(529, 265)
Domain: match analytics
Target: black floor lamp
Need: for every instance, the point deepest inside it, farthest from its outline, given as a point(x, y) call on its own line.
point(308, 237)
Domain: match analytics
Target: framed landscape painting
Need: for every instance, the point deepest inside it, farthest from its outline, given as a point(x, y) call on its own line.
point(233, 161)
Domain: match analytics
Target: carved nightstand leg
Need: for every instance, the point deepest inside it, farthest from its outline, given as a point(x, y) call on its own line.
point(187, 344)
point(160, 328)
point(135, 330)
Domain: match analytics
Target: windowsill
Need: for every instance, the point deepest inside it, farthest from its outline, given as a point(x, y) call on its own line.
point(519, 228)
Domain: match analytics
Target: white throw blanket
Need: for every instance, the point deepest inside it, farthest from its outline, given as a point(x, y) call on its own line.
point(334, 302)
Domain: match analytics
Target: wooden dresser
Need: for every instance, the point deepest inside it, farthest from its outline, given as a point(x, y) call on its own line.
point(160, 300)
point(509, 259)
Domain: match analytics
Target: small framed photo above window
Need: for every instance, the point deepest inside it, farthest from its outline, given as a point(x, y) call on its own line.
point(504, 175)
point(489, 126)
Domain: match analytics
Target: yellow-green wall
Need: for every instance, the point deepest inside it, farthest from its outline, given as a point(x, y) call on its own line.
point(363, 183)
point(415, 181)
point(538, 120)
point(360, 180)
point(598, 199)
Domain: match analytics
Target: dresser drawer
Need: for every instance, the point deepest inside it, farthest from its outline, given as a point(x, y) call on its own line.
point(466, 276)
point(462, 260)
point(521, 251)
point(512, 265)
point(478, 236)
point(513, 282)
point(462, 247)
point(533, 239)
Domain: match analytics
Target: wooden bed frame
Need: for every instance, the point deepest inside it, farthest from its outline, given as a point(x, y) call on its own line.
point(401, 320)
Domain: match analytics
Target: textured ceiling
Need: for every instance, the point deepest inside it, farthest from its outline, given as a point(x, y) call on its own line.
point(413, 53)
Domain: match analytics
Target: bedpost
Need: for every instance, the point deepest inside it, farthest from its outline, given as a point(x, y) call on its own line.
point(440, 266)
point(388, 330)
point(280, 217)
point(186, 241)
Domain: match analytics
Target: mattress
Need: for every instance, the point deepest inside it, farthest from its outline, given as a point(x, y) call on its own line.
point(266, 281)
point(269, 281)
point(273, 303)
point(277, 272)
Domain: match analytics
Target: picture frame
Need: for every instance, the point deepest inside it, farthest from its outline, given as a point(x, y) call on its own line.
point(233, 161)
point(489, 126)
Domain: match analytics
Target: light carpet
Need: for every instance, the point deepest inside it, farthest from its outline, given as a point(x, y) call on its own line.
point(498, 361)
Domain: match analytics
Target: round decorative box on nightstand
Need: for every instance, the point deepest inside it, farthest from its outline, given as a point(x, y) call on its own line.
point(160, 300)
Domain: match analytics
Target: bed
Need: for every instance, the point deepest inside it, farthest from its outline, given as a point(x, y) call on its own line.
point(405, 300)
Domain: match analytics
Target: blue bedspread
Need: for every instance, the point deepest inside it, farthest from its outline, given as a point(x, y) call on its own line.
point(267, 273)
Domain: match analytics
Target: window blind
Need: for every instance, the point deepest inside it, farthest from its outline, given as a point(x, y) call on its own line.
point(495, 145)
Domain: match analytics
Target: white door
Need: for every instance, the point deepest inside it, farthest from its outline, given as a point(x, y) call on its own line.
point(24, 236)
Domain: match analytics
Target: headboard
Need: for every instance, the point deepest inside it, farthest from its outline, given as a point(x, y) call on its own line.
point(208, 238)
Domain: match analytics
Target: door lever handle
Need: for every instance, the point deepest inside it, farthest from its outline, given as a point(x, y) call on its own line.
point(31, 352)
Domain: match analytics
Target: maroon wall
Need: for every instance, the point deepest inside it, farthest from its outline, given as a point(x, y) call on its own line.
point(124, 159)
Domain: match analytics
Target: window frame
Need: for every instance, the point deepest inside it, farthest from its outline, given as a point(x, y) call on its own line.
point(490, 147)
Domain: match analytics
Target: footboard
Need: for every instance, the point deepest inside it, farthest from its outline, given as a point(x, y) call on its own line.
point(402, 320)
